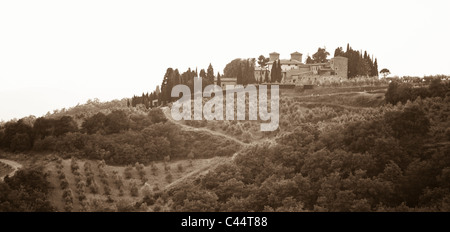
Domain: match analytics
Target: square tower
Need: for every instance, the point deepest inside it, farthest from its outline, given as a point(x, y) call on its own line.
point(296, 56)
point(339, 64)
point(274, 56)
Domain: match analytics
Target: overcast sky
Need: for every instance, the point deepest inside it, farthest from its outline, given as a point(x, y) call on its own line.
point(55, 54)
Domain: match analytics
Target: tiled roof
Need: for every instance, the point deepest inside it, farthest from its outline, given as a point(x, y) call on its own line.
point(317, 64)
point(285, 61)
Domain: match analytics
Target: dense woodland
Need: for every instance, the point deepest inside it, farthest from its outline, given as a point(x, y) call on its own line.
point(26, 191)
point(118, 138)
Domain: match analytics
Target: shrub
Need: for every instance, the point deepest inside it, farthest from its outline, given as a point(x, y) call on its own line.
point(68, 199)
point(127, 172)
point(59, 166)
point(74, 165)
point(142, 173)
point(67, 193)
point(81, 185)
point(104, 181)
point(94, 188)
point(166, 167)
point(107, 190)
point(154, 169)
point(101, 164)
point(64, 184)
point(134, 191)
point(118, 181)
point(89, 179)
point(169, 178)
point(87, 167)
point(180, 167)
point(68, 207)
point(82, 197)
point(139, 166)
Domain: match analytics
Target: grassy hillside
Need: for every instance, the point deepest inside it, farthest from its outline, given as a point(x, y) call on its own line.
point(336, 149)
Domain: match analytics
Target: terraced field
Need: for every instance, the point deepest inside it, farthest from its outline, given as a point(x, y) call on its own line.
point(95, 186)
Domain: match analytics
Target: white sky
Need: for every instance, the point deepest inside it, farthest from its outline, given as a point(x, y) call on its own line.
point(55, 54)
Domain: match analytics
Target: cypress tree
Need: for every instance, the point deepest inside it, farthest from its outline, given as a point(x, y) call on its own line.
point(246, 77)
point(166, 86)
point(273, 72)
point(251, 72)
point(375, 66)
point(239, 75)
point(219, 82)
point(210, 74)
point(202, 74)
point(279, 73)
point(176, 77)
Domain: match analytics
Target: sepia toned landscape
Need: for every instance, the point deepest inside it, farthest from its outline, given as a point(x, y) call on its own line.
point(224, 106)
point(367, 144)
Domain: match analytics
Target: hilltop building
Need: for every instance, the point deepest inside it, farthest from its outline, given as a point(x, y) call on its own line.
point(293, 70)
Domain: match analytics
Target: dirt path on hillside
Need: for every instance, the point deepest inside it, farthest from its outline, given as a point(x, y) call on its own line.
point(331, 105)
point(185, 127)
point(13, 164)
point(214, 162)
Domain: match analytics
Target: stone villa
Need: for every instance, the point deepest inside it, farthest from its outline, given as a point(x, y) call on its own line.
point(294, 70)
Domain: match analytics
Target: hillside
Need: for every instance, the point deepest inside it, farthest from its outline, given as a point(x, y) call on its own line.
point(337, 149)
point(337, 152)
